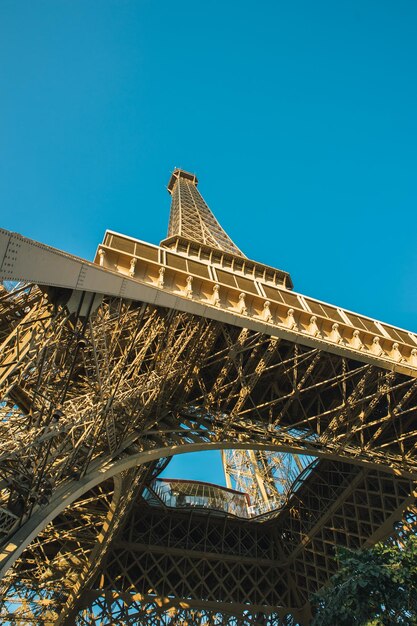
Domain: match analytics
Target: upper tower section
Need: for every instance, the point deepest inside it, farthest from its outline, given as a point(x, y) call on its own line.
point(196, 246)
point(191, 218)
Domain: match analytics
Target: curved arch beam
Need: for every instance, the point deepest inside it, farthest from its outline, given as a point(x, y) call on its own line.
point(100, 471)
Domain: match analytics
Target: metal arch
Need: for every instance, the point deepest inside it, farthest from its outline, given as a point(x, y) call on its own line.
point(195, 557)
point(59, 552)
point(352, 483)
point(230, 418)
point(69, 493)
point(91, 537)
point(189, 345)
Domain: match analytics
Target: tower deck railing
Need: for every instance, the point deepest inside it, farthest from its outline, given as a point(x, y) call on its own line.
point(193, 494)
point(175, 493)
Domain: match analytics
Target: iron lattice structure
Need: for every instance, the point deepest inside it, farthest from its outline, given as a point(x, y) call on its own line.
point(109, 368)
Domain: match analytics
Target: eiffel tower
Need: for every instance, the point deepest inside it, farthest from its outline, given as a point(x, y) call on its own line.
point(108, 369)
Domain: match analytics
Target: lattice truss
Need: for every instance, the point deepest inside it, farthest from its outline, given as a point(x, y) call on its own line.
point(165, 564)
point(192, 219)
point(80, 392)
point(110, 610)
point(267, 477)
point(113, 610)
point(52, 564)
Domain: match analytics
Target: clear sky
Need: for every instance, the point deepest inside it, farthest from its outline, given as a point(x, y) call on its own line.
point(299, 119)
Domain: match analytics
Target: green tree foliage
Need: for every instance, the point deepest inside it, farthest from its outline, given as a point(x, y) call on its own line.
point(374, 587)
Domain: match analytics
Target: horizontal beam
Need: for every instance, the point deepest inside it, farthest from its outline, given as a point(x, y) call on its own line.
point(164, 604)
point(22, 259)
point(131, 546)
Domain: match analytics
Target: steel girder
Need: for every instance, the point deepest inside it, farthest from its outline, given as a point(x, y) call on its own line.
point(94, 390)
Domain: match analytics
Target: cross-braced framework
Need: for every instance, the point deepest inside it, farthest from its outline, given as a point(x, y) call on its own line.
point(108, 370)
point(221, 562)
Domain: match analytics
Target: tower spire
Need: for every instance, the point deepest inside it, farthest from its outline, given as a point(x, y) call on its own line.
point(191, 218)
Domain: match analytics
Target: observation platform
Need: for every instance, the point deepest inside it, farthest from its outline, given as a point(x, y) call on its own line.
point(177, 493)
point(193, 494)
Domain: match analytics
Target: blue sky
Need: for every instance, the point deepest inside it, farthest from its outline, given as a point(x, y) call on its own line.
point(299, 119)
